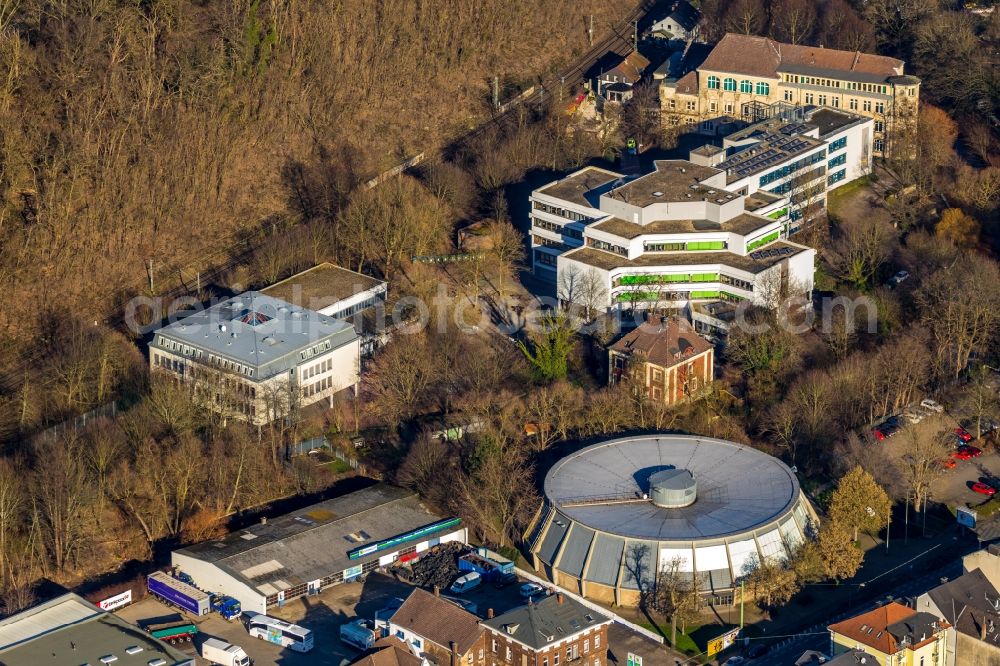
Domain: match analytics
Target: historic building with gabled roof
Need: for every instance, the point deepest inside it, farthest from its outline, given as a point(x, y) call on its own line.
point(747, 78)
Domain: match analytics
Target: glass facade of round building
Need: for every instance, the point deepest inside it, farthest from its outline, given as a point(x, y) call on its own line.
point(616, 513)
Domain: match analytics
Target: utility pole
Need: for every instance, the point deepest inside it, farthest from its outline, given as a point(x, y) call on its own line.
point(496, 93)
point(562, 82)
point(590, 30)
point(741, 604)
point(149, 271)
point(888, 522)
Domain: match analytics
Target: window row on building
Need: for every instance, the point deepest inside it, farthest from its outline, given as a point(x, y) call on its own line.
point(316, 349)
point(834, 83)
point(746, 86)
point(556, 228)
point(561, 212)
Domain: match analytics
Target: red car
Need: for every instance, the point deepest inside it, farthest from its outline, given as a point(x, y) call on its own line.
point(983, 489)
point(967, 453)
point(963, 434)
point(947, 463)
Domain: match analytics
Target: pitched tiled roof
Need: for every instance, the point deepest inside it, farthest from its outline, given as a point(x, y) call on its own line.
point(633, 65)
point(688, 84)
point(664, 344)
point(388, 652)
point(882, 629)
point(438, 620)
point(760, 56)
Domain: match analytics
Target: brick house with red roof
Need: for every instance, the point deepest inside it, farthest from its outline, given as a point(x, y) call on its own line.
point(667, 358)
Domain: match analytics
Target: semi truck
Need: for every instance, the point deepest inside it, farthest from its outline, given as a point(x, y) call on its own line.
point(224, 654)
point(177, 594)
point(180, 631)
point(227, 607)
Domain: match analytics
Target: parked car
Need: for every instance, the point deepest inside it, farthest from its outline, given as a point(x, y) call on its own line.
point(983, 489)
point(735, 661)
point(914, 416)
point(756, 650)
point(463, 584)
point(887, 428)
point(963, 434)
point(529, 590)
point(967, 453)
point(932, 405)
point(899, 277)
point(947, 463)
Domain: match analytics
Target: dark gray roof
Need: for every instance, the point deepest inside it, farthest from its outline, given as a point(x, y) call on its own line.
point(915, 629)
point(314, 542)
point(852, 658)
point(685, 15)
point(968, 603)
point(256, 330)
point(69, 631)
point(549, 621)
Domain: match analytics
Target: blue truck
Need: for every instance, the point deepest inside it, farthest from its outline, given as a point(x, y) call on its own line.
point(178, 594)
point(227, 607)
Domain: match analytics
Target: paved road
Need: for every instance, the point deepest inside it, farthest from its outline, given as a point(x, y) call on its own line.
point(817, 637)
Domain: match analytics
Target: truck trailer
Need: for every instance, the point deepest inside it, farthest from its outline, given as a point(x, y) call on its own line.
point(180, 595)
point(224, 654)
point(173, 632)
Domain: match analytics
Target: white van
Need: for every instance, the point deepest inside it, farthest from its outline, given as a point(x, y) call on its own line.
point(220, 652)
point(469, 581)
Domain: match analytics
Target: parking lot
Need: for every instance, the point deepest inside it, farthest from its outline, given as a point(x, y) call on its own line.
point(322, 614)
point(953, 486)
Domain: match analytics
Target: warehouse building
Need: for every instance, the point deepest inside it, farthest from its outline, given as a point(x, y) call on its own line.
point(69, 631)
point(318, 546)
point(618, 512)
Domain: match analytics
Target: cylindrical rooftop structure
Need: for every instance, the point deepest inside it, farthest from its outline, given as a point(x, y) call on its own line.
point(672, 489)
point(617, 513)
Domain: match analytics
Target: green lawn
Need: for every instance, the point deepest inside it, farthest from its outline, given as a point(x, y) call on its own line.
point(685, 643)
point(337, 466)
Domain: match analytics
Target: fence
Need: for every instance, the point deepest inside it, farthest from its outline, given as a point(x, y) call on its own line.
point(652, 635)
point(108, 410)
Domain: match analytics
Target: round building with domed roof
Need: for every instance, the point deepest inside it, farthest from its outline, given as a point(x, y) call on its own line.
point(617, 512)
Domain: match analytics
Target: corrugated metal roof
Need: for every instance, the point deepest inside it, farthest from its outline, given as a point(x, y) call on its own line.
point(606, 561)
point(575, 552)
point(550, 545)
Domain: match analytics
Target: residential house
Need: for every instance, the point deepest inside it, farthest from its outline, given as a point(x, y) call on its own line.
point(257, 358)
point(666, 358)
point(752, 78)
point(681, 24)
point(971, 605)
point(894, 635)
point(439, 630)
point(389, 651)
point(615, 84)
point(555, 631)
